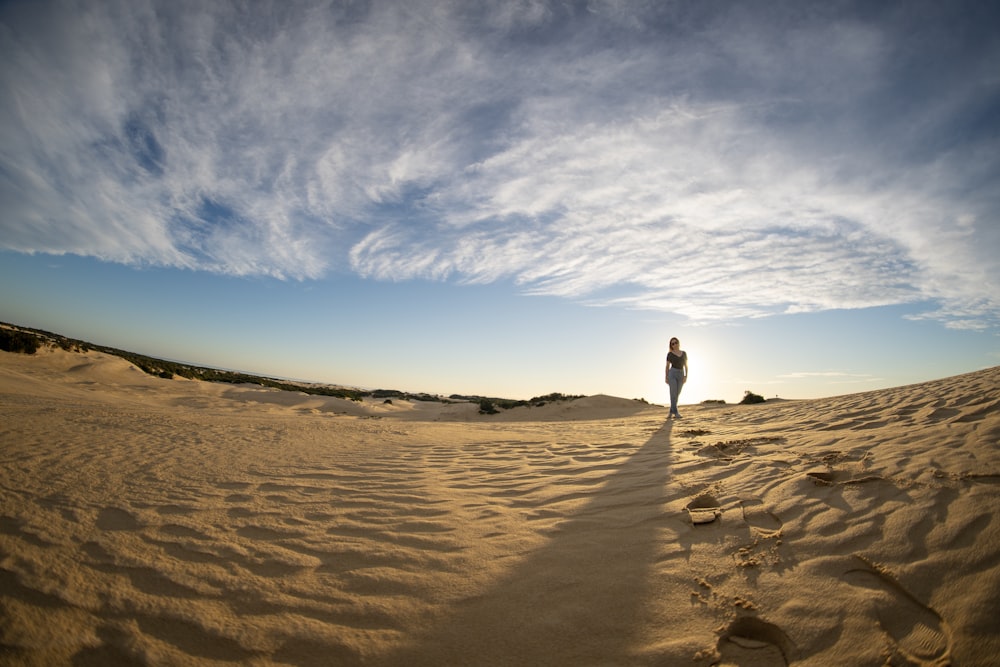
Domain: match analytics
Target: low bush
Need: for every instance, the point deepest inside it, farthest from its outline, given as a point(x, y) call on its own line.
point(18, 341)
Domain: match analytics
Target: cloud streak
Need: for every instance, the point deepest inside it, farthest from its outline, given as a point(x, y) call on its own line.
point(718, 164)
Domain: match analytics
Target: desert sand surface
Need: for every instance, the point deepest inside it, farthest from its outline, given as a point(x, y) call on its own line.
point(146, 521)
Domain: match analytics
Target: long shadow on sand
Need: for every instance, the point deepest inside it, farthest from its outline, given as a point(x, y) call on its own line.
point(579, 598)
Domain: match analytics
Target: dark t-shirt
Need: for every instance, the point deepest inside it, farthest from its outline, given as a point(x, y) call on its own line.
point(677, 360)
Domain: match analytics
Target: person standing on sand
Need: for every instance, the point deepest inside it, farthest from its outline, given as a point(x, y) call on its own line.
point(677, 372)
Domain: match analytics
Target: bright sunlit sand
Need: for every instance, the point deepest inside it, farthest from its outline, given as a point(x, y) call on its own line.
point(147, 521)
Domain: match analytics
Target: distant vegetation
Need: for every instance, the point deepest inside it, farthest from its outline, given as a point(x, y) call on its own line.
point(749, 398)
point(713, 401)
point(28, 341)
point(488, 406)
point(12, 340)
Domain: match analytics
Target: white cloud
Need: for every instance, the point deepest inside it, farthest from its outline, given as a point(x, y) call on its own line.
point(653, 204)
point(714, 164)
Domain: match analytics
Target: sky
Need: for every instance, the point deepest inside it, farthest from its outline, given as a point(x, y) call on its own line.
point(510, 198)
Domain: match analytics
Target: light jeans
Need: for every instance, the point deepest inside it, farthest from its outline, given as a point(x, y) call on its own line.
point(675, 380)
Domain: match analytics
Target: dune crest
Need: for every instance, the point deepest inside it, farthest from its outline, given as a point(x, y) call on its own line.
point(160, 522)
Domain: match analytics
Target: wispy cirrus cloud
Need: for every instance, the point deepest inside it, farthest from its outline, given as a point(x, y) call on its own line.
point(714, 163)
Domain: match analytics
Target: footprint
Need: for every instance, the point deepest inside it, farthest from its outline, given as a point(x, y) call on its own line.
point(713, 452)
point(112, 518)
point(760, 519)
point(751, 641)
point(917, 632)
point(824, 477)
point(704, 509)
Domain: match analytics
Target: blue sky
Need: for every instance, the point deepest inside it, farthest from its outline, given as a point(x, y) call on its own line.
point(510, 198)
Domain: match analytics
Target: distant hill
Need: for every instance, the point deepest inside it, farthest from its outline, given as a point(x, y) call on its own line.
point(14, 338)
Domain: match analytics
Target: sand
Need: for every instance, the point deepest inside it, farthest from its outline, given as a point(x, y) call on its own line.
point(146, 521)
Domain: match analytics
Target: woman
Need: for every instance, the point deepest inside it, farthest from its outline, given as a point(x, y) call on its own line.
point(677, 372)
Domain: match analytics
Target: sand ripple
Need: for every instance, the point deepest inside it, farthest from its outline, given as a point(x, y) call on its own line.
point(154, 522)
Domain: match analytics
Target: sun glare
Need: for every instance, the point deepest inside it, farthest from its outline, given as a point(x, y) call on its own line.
point(701, 384)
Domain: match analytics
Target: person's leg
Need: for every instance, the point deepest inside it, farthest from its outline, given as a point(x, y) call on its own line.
point(675, 391)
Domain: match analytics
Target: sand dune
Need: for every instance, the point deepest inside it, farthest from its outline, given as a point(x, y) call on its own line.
point(169, 522)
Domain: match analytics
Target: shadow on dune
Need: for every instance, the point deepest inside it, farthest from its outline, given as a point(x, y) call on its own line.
point(580, 597)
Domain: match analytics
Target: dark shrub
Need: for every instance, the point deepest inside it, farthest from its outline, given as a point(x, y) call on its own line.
point(18, 341)
point(749, 397)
